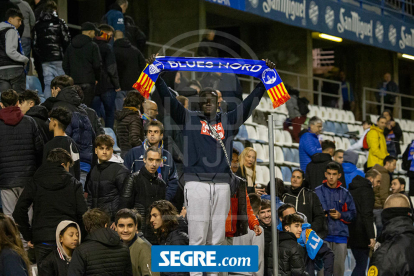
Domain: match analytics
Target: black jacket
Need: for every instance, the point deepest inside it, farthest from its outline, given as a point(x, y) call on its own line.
point(308, 203)
point(103, 253)
point(40, 115)
point(130, 63)
point(175, 237)
point(38, 8)
point(80, 128)
point(395, 256)
point(129, 129)
point(109, 72)
point(21, 148)
point(362, 229)
point(315, 171)
point(105, 185)
point(291, 256)
point(56, 195)
point(82, 60)
point(51, 37)
point(141, 190)
point(53, 265)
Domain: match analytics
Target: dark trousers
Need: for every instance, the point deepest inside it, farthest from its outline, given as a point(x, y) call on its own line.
point(108, 101)
point(42, 250)
point(411, 187)
point(88, 93)
point(13, 78)
point(361, 258)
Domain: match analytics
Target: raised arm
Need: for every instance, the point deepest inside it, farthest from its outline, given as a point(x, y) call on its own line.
point(177, 111)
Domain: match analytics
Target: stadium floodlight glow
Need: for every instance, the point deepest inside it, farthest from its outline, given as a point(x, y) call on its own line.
point(408, 56)
point(330, 37)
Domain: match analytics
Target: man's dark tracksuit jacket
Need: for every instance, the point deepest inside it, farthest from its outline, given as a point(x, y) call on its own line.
point(204, 159)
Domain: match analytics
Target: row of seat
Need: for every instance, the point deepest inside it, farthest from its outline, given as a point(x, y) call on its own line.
point(332, 114)
point(260, 134)
point(282, 172)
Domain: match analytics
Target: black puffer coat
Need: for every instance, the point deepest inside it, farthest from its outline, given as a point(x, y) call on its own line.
point(308, 203)
point(291, 256)
point(362, 229)
point(21, 148)
point(40, 115)
point(315, 171)
point(80, 128)
point(56, 195)
point(105, 184)
point(129, 130)
point(103, 253)
point(51, 37)
point(395, 256)
point(94, 119)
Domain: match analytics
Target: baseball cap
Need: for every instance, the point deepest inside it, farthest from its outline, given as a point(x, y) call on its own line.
point(88, 26)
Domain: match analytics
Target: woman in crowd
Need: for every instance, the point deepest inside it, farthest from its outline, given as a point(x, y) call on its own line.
point(247, 168)
point(129, 127)
point(68, 237)
point(13, 258)
point(392, 133)
point(306, 202)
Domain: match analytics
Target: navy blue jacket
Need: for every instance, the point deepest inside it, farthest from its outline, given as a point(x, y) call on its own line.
point(204, 159)
point(134, 161)
point(11, 263)
point(115, 18)
point(341, 200)
point(308, 145)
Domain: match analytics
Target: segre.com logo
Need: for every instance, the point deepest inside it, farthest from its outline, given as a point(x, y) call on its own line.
point(236, 258)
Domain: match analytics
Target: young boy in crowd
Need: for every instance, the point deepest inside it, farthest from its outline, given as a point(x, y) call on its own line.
point(60, 118)
point(107, 177)
point(126, 221)
point(291, 254)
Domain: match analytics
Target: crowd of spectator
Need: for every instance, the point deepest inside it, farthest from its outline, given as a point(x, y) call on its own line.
point(72, 205)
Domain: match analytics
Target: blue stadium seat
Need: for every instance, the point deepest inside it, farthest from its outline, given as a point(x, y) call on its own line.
point(238, 146)
point(287, 155)
point(110, 132)
point(287, 174)
point(33, 83)
point(338, 129)
point(329, 126)
point(242, 135)
point(295, 153)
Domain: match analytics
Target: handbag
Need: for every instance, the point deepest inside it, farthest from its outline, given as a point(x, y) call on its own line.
point(235, 181)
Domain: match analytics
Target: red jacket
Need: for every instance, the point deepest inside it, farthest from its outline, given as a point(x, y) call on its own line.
point(231, 221)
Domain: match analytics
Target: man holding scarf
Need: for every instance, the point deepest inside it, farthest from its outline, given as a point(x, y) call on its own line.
point(206, 172)
point(12, 58)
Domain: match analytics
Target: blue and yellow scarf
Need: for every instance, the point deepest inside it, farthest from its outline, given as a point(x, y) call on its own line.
point(255, 68)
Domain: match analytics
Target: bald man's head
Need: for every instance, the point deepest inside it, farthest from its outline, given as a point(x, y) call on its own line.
point(397, 201)
point(151, 109)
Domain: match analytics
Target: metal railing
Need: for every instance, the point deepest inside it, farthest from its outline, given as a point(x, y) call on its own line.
point(296, 81)
point(372, 92)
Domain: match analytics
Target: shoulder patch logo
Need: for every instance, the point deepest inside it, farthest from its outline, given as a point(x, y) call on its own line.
point(373, 271)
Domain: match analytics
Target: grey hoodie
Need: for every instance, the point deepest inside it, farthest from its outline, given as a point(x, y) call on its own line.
point(12, 44)
point(59, 228)
point(28, 16)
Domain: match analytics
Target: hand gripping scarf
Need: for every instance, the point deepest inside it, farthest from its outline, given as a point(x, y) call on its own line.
point(255, 68)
